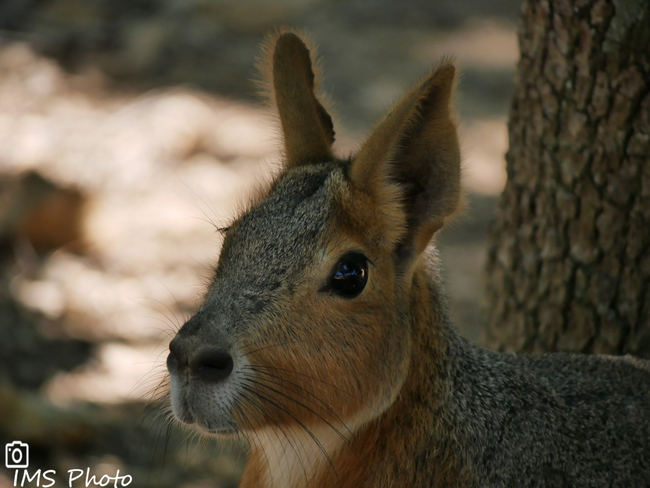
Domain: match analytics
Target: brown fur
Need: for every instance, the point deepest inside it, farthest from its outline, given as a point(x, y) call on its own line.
point(381, 453)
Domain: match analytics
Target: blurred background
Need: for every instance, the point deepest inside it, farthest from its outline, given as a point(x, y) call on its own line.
point(128, 129)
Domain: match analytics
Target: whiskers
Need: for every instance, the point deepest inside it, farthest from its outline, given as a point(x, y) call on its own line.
point(301, 425)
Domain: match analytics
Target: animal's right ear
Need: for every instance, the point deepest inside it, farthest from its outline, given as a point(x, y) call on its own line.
point(307, 128)
point(410, 164)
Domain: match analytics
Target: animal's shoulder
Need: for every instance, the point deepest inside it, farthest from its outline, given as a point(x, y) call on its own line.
point(571, 418)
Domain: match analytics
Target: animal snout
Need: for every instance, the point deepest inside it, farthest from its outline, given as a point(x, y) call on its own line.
point(208, 364)
point(211, 365)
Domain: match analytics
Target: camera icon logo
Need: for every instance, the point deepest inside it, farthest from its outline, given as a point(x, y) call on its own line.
point(16, 455)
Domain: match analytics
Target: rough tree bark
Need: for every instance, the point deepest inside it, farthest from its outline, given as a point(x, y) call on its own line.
point(569, 254)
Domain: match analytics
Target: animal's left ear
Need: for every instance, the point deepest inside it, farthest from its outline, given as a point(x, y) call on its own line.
point(306, 126)
point(411, 162)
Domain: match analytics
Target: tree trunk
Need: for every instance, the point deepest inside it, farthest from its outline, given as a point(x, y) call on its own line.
point(569, 254)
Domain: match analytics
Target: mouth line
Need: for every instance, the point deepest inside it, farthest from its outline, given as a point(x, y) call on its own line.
point(194, 421)
point(221, 431)
point(180, 405)
point(185, 415)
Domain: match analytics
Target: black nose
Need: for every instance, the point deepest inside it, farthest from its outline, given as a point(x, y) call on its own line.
point(177, 359)
point(211, 365)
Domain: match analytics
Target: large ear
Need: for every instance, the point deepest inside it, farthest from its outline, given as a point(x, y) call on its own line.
point(415, 147)
point(306, 126)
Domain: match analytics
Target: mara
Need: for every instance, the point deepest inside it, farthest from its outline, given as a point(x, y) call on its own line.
point(324, 338)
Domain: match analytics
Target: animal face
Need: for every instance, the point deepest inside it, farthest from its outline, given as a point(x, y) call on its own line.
point(306, 322)
point(299, 303)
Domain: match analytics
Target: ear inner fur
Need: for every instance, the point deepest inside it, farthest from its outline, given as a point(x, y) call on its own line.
point(307, 127)
point(415, 147)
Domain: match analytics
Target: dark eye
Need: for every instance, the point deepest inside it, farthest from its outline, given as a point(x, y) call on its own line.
point(349, 276)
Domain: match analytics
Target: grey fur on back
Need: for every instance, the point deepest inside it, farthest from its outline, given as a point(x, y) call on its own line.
point(555, 420)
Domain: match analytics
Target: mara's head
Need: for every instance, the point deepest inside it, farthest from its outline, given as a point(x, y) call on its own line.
point(307, 319)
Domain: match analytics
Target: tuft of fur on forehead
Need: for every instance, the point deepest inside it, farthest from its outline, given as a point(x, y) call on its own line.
point(293, 216)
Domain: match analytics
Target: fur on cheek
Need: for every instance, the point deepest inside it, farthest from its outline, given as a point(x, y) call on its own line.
point(305, 369)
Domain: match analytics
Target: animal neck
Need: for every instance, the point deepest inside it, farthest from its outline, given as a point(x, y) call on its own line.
point(290, 456)
point(422, 446)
